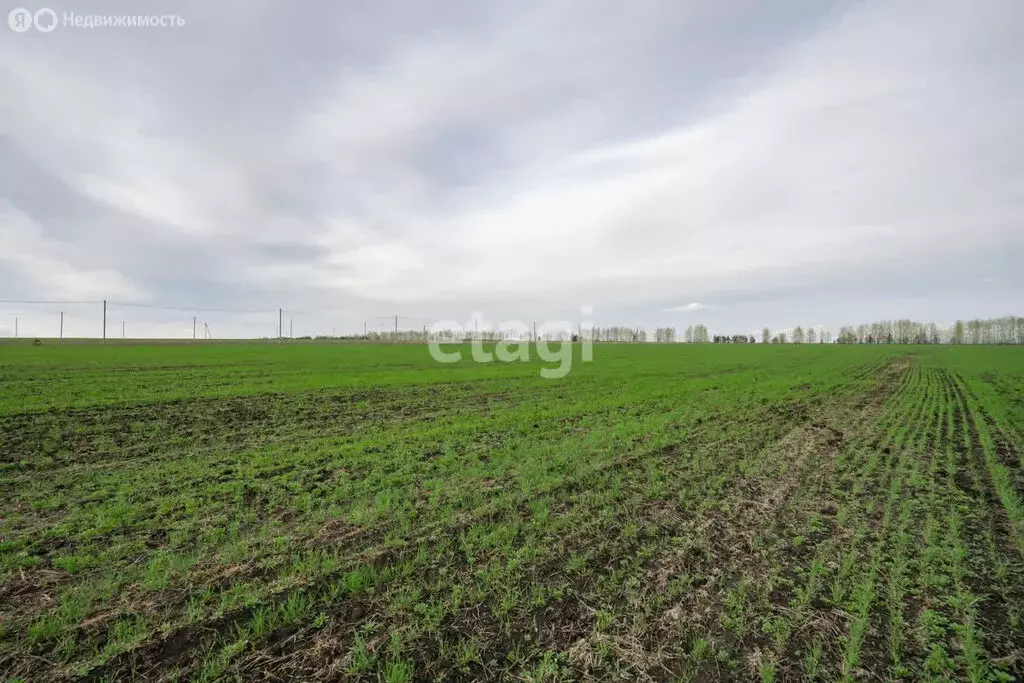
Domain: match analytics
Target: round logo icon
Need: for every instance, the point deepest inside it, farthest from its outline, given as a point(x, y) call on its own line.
point(45, 20)
point(20, 19)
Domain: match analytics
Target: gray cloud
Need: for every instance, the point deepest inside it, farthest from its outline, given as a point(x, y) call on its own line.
point(783, 164)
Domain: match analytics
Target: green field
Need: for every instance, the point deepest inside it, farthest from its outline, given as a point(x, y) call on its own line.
point(683, 511)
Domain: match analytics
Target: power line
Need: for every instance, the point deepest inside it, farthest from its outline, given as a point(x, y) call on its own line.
point(70, 303)
point(330, 312)
point(124, 304)
point(192, 309)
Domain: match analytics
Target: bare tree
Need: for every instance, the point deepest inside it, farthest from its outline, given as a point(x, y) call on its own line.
point(665, 335)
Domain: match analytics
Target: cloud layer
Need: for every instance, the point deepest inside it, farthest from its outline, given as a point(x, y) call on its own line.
point(798, 163)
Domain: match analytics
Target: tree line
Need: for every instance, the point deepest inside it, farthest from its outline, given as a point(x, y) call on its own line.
point(1006, 330)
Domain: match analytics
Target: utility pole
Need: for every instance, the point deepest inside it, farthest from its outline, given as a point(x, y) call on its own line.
point(122, 329)
point(193, 328)
point(280, 324)
point(535, 331)
point(364, 328)
point(104, 320)
point(62, 325)
point(396, 324)
point(291, 328)
point(15, 327)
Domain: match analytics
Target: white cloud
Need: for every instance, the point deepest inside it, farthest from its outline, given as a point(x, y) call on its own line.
point(499, 159)
point(688, 308)
point(48, 267)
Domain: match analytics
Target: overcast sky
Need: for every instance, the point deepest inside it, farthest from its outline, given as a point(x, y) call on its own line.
point(737, 163)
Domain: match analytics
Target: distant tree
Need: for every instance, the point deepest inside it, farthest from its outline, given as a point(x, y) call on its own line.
point(975, 332)
point(665, 335)
point(700, 334)
point(766, 335)
point(812, 335)
point(1006, 330)
point(959, 335)
point(798, 335)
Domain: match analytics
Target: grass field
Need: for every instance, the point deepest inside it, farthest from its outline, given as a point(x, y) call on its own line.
point(688, 512)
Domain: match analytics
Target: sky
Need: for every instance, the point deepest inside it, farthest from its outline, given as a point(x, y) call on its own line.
point(736, 164)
